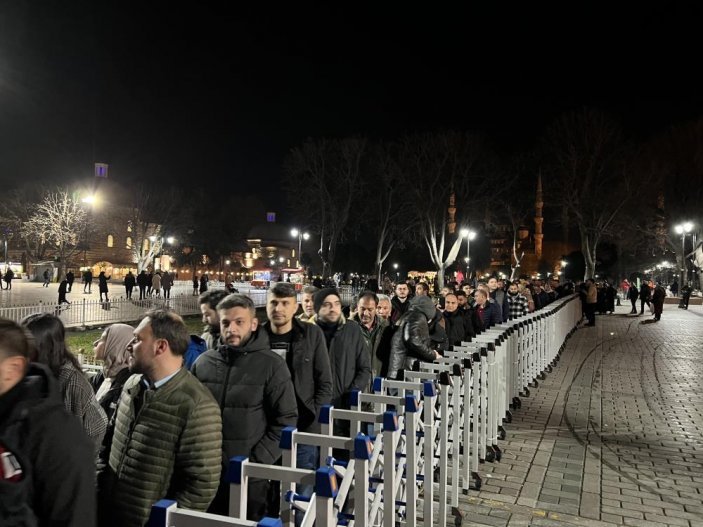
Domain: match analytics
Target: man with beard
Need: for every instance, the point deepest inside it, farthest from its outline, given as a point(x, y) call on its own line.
point(400, 301)
point(168, 429)
point(302, 346)
point(253, 387)
point(384, 308)
point(208, 307)
point(517, 303)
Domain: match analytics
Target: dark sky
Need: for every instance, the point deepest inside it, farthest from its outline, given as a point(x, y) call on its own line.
point(214, 94)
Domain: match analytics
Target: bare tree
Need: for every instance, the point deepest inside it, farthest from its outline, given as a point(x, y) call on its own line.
point(386, 214)
point(153, 217)
point(437, 166)
point(17, 206)
point(58, 221)
point(328, 174)
point(590, 175)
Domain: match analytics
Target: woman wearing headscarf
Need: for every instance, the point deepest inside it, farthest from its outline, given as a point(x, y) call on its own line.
point(78, 397)
point(111, 348)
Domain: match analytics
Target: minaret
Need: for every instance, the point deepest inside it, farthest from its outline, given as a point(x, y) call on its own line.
point(451, 225)
point(538, 218)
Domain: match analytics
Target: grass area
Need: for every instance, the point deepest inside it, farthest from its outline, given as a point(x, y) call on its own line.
point(78, 340)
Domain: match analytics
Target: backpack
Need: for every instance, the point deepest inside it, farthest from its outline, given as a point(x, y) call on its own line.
point(196, 347)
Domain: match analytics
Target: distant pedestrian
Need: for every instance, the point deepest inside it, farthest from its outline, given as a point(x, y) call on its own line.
point(675, 288)
point(658, 301)
point(591, 301)
point(9, 275)
point(46, 278)
point(87, 281)
point(196, 285)
point(149, 283)
point(166, 283)
point(102, 282)
point(70, 277)
point(129, 283)
point(633, 294)
point(685, 296)
point(63, 288)
point(142, 282)
point(156, 284)
point(203, 283)
point(645, 295)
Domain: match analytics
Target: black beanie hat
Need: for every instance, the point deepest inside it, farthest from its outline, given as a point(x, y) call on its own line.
point(322, 294)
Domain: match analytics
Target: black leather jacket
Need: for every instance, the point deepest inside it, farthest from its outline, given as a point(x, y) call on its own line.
point(411, 340)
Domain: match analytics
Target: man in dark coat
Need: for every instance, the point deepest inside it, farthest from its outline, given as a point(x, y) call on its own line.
point(52, 477)
point(457, 326)
point(633, 294)
point(658, 301)
point(411, 339)
point(486, 313)
point(142, 282)
point(349, 356)
point(400, 302)
point(87, 281)
point(256, 395)
point(70, 277)
point(129, 283)
point(645, 295)
point(302, 346)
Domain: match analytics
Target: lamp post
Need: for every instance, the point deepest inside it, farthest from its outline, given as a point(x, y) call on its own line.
point(168, 239)
point(397, 273)
point(469, 235)
point(301, 236)
point(683, 229)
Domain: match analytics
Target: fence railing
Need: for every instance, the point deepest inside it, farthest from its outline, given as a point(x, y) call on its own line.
point(88, 312)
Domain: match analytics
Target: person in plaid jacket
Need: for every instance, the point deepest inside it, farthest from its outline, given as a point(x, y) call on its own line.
point(517, 303)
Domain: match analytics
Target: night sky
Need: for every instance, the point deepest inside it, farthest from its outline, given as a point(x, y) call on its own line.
point(217, 95)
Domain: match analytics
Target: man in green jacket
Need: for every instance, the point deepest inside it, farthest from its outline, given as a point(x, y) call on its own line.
point(168, 430)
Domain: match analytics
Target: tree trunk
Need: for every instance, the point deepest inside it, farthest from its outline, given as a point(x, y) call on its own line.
point(440, 276)
point(589, 256)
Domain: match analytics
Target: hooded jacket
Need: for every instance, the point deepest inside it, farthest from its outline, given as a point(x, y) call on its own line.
point(411, 339)
point(253, 387)
point(58, 487)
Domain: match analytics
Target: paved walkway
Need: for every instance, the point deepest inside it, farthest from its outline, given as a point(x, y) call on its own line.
point(613, 436)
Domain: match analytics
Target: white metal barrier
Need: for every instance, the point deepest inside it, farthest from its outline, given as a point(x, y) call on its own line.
point(428, 434)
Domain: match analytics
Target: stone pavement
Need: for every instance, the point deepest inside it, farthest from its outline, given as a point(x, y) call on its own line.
point(613, 436)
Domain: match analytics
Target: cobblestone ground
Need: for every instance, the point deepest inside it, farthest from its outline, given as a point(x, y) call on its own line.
point(613, 436)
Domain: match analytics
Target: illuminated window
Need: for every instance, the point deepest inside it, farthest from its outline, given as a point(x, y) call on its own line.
point(129, 226)
point(128, 242)
point(292, 253)
point(145, 245)
point(110, 240)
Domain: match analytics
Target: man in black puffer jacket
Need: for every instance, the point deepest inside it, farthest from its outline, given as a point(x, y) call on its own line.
point(253, 386)
point(37, 436)
point(411, 339)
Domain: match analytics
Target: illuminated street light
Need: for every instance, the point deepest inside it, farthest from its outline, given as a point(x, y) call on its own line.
point(295, 233)
point(684, 229)
point(469, 235)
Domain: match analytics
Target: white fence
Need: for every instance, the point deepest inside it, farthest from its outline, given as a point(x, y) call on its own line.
point(424, 442)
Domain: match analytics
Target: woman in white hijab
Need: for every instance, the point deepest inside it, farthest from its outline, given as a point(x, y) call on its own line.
point(111, 348)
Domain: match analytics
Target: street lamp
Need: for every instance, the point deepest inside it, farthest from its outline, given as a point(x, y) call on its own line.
point(301, 236)
point(469, 235)
point(397, 273)
point(683, 229)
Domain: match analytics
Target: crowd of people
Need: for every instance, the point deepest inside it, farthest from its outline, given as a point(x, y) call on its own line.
point(169, 409)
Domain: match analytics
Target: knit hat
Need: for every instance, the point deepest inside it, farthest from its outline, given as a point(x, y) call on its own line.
point(425, 305)
point(322, 294)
